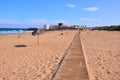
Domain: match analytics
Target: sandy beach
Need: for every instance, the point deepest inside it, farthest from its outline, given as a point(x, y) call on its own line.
point(102, 54)
point(30, 62)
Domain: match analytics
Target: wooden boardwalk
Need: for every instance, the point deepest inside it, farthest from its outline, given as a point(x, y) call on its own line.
point(73, 67)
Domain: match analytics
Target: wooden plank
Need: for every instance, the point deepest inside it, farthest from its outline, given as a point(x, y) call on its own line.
point(73, 66)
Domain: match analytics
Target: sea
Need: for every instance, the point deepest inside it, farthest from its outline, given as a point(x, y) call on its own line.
point(12, 30)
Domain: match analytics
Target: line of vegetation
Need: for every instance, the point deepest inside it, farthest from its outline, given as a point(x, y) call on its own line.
point(108, 28)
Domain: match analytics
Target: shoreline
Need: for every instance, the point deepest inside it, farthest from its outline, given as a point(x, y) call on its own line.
point(16, 33)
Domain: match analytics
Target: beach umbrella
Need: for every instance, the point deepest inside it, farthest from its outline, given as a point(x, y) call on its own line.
point(37, 32)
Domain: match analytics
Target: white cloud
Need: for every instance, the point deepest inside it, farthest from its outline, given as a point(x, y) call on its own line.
point(60, 21)
point(34, 21)
point(89, 19)
point(91, 9)
point(9, 21)
point(44, 21)
point(37, 21)
point(70, 5)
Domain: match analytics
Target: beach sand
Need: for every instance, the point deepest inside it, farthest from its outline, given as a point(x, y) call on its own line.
point(102, 54)
point(22, 59)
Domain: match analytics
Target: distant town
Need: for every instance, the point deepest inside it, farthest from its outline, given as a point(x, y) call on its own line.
point(62, 26)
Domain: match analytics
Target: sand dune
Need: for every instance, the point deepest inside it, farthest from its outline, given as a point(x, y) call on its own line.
point(30, 62)
point(102, 53)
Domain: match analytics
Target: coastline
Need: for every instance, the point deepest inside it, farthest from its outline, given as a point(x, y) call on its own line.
point(12, 30)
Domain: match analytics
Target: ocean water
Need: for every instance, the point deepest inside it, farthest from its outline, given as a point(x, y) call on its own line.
point(12, 30)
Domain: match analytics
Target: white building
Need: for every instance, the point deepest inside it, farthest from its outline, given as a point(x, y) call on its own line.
point(46, 27)
point(51, 27)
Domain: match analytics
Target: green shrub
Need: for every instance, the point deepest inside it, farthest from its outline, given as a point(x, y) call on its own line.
point(108, 28)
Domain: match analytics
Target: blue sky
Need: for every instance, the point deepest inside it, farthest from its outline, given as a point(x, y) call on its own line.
point(25, 13)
